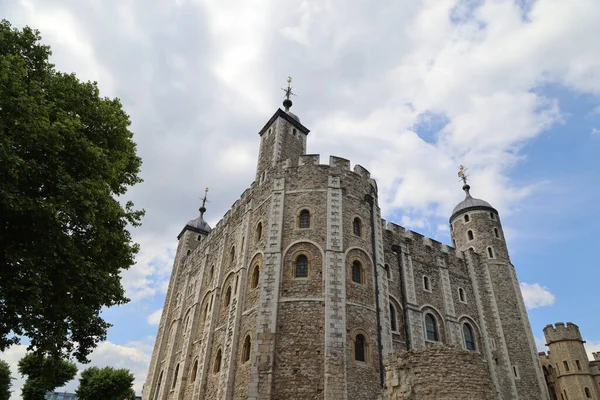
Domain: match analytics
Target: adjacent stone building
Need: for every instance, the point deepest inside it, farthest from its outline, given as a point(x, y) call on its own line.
point(303, 291)
point(568, 372)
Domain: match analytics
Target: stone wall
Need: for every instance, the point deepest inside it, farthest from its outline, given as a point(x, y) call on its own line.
point(440, 372)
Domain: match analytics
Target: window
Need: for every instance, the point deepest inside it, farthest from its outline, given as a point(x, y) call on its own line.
point(393, 322)
point(578, 365)
point(461, 295)
point(194, 371)
point(470, 235)
point(426, 284)
point(232, 255)
point(294, 132)
point(187, 322)
point(516, 372)
point(177, 299)
point(228, 296)
point(175, 376)
point(258, 231)
point(566, 397)
point(301, 267)
point(246, 349)
point(496, 233)
point(388, 273)
point(469, 337)
point(237, 278)
point(431, 328)
point(490, 252)
point(158, 386)
point(587, 393)
point(205, 312)
point(199, 237)
point(356, 226)
point(255, 276)
point(466, 217)
point(359, 348)
point(357, 272)
point(566, 364)
point(217, 366)
point(211, 273)
point(492, 216)
point(189, 252)
point(304, 219)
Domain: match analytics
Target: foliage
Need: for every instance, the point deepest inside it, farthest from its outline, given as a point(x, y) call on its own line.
point(44, 374)
point(66, 154)
point(106, 383)
point(5, 380)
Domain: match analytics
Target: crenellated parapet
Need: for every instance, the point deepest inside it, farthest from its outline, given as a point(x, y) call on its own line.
point(561, 332)
point(596, 356)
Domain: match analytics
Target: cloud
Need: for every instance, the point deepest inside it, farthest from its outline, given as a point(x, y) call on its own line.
point(592, 346)
point(154, 318)
point(536, 296)
point(595, 131)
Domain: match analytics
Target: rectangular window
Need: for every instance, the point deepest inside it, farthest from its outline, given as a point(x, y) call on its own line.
point(578, 365)
point(566, 364)
point(516, 372)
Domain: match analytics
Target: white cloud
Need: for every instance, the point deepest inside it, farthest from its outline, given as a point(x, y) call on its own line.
point(595, 131)
point(154, 318)
point(592, 346)
point(536, 296)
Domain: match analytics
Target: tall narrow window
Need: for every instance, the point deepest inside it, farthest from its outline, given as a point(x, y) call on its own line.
point(359, 348)
point(496, 233)
point(357, 272)
point(232, 255)
point(255, 276)
point(246, 349)
point(205, 312)
point(490, 252)
point(194, 371)
point(470, 235)
point(466, 217)
point(587, 393)
point(158, 386)
point(469, 337)
point(187, 322)
point(228, 296)
point(356, 226)
point(258, 231)
point(301, 267)
point(566, 364)
point(426, 284)
point(578, 365)
point(175, 376)
point(388, 273)
point(492, 216)
point(304, 219)
point(393, 322)
point(211, 273)
point(217, 366)
point(431, 328)
point(461, 295)
point(189, 252)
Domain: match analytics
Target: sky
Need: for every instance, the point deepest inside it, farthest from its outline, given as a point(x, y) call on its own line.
point(408, 89)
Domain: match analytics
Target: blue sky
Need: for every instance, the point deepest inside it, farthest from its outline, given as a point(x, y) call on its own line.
point(410, 90)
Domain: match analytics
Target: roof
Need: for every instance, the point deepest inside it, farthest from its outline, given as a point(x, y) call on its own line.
point(198, 225)
point(470, 203)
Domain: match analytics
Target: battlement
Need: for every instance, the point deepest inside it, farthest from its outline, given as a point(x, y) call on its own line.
point(596, 356)
point(560, 332)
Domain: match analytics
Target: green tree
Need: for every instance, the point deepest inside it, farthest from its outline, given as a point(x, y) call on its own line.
point(66, 155)
point(5, 380)
point(105, 383)
point(44, 374)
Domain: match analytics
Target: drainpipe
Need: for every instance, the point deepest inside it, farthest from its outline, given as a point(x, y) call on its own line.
point(369, 199)
point(398, 250)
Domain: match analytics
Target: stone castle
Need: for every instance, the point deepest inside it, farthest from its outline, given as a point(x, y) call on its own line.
point(303, 291)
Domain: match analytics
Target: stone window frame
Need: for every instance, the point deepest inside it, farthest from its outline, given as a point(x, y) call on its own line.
point(367, 347)
point(232, 255)
point(516, 372)
point(462, 295)
point(469, 327)
point(588, 394)
point(470, 235)
point(194, 370)
point(311, 213)
point(361, 225)
point(466, 218)
point(211, 273)
point(186, 323)
point(309, 258)
point(435, 325)
point(388, 272)
point(393, 317)
point(246, 353)
point(492, 216)
point(218, 361)
point(497, 233)
point(578, 365)
point(441, 331)
point(361, 264)
point(255, 277)
point(175, 376)
point(199, 237)
point(258, 231)
point(427, 284)
point(228, 296)
point(566, 365)
point(491, 253)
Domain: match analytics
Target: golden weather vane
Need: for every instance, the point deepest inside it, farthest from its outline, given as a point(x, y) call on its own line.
point(462, 174)
point(288, 90)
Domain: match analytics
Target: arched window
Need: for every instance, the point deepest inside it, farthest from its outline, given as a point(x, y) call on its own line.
point(426, 284)
point(175, 376)
point(357, 272)
point(228, 296)
point(304, 219)
point(258, 231)
point(217, 366)
point(187, 322)
point(211, 273)
point(490, 252)
point(496, 233)
point(469, 337)
point(255, 276)
point(357, 226)
point(466, 217)
point(393, 322)
point(492, 216)
point(587, 393)
point(431, 329)
point(158, 386)
point(388, 273)
point(194, 371)
point(461, 295)
point(301, 267)
point(232, 255)
point(189, 252)
point(470, 234)
point(246, 349)
point(205, 312)
point(359, 348)
point(199, 237)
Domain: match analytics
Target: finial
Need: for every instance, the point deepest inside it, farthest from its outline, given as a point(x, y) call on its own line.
point(462, 174)
point(203, 208)
point(287, 103)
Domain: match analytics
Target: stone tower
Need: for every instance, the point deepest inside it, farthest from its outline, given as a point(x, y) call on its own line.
point(476, 229)
point(569, 367)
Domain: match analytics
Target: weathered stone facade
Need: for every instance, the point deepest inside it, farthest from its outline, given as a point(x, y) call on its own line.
point(303, 291)
point(568, 372)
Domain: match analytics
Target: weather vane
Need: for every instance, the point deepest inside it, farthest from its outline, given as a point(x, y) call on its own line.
point(462, 174)
point(204, 201)
point(288, 90)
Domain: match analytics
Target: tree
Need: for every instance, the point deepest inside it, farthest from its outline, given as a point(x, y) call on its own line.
point(44, 374)
point(66, 155)
point(106, 383)
point(5, 380)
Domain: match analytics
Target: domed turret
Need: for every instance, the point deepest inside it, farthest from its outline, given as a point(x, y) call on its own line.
point(471, 203)
point(198, 225)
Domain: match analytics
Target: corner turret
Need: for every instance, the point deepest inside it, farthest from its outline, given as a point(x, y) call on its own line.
point(561, 332)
